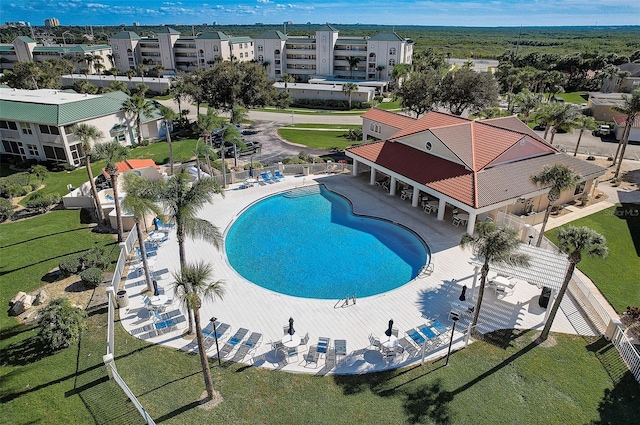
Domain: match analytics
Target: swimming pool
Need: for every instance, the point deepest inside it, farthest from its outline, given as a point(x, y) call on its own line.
point(307, 243)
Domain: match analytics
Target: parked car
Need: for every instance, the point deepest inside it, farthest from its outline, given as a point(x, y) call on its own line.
point(541, 126)
point(250, 147)
point(603, 130)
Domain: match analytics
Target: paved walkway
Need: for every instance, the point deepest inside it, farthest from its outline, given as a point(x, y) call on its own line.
point(249, 306)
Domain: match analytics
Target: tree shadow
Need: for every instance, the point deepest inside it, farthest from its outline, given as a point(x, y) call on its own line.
point(631, 214)
point(428, 402)
point(355, 384)
point(25, 352)
point(43, 236)
point(4, 272)
point(14, 330)
point(620, 405)
point(502, 338)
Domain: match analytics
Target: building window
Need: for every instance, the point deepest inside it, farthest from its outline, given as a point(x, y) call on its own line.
point(49, 129)
point(11, 147)
point(54, 153)
point(260, 58)
point(392, 51)
point(580, 188)
point(26, 128)
point(215, 48)
point(76, 151)
point(392, 62)
point(260, 48)
point(9, 125)
point(33, 150)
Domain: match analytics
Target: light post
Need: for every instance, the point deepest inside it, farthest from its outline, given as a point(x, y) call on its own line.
point(215, 335)
point(455, 320)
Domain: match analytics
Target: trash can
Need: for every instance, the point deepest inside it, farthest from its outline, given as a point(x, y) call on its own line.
point(122, 298)
point(543, 301)
point(305, 171)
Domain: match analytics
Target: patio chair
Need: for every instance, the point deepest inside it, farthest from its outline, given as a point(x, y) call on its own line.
point(415, 336)
point(330, 360)
point(277, 346)
point(395, 332)
point(279, 175)
point(221, 330)
point(374, 342)
point(312, 356)
point(408, 347)
point(305, 339)
point(272, 177)
point(340, 347)
point(439, 328)
point(228, 347)
point(503, 291)
point(266, 178)
point(254, 340)
point(291, 352)
point(323, 345)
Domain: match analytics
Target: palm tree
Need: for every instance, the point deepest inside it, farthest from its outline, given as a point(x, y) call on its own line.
point(544, 114)
point(192, 285)
point(238, 115)
point(558, 178)
point(209, 122)
point(135, 106)
point(119, 86)
point(562, 117)
point(349, 88)
point(130, 73)
point(379, 69)
point(168, 114)
point(494, 245)
point(631, 108)
point(113, 152)
point(286, 79)
point(141, 68)
point(526, 102)
point(232, 136)
point(353, 64)
point(583, 123)
point(203, 150)
point(573, 241)
point(140, 201)
point(182, 201)
point(88, 134)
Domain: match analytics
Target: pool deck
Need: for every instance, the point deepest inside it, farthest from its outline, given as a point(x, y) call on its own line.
point(249, 306)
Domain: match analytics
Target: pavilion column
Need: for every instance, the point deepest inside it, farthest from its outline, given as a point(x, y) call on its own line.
point(416, 195)
point(392, 186)
point(471, 224)
point(372, 177)
point(442, 204)
point(355, 168)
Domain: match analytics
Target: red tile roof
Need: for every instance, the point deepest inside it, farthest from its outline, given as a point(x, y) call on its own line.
point(388, 118)
point(621, 119)
point(499, 156)
point(132, 164)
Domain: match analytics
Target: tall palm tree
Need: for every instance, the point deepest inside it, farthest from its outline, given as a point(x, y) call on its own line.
point(206, 151)
point(583, 122)
point(88, 134)
point(494, 245)
point(113, 152)
point(631, 108)
point(562, 117)
point(348, 88)
point(119, 86)
point(168, 114)
point(238, 115)
point(353, 64)
point(192, 285)
point(142, 68)
point(558, 177)
point(232, 136)
point(573, 241)
point(135, 106)
point(209, 122)
point(544, 113)
point(182, 201)
point(140, 202)
point(526, 102)
point(287, 79)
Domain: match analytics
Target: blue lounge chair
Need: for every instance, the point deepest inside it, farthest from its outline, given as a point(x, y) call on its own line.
point(439, 327)
point(272, 177)
point(266, 178)
point(415, 336)
point(279, 175)
point(323, 344)
point(427, 331)
point(233, 342)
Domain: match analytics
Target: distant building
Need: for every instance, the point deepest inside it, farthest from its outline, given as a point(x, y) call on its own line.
point(626, 80)
point(51, 22)
point(16, 24)
point(174, 52)
point(327, 55)
point(136, 24)
point(39, 124)
point(25, 49)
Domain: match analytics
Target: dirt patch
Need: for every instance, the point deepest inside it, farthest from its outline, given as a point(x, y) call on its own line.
point(633, 326)
point(208, 404)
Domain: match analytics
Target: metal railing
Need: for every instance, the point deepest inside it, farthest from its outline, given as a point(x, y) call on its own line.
point(627, 351)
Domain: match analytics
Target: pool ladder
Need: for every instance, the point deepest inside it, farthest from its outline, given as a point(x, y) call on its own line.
point(302, 191)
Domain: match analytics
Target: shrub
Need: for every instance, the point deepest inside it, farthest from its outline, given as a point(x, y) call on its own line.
point(294, 161)
point(304, 156)
point(60, 324)
point(70, 265)
point(96, 257)
point(41, 203)
point(6, 209)
point(92, 277)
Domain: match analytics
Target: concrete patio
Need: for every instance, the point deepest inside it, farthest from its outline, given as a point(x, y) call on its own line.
point(249, 306)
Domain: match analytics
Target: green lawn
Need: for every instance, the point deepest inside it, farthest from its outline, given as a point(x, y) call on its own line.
point(326, 126)
point(390, 105)
point(304, 111)
point(316, 139)
point(573, 97)
point(510, 381)
point(159, 151)
point(617, 275)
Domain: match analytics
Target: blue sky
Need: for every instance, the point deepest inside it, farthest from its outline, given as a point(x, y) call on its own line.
point(486, 13)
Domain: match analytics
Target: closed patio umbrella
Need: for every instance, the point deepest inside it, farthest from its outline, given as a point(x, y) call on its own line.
point(389, 331)
point(463, 294)
point(291, 330)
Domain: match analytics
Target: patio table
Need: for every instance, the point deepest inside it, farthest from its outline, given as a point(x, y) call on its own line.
point(291, 341)
point(388, 341)
point(503, 281)
point(158, 300)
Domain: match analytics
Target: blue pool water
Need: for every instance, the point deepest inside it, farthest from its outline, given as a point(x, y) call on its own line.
point(312, 246)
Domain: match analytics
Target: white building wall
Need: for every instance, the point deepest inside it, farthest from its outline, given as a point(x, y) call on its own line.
point(325, 43)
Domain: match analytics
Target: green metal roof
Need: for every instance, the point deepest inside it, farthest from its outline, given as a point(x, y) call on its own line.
point(6, 48)
point(213, 35)
point(327, 27)
point(271, 35)
point(167, 30)
point(26, 39)
point(50, 49)
point(386, 36)
point(89, 48)
point(240, 39)
point(126, 35)
point(65, 113)
point(344, 41)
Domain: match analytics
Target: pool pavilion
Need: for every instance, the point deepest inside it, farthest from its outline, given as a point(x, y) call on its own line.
point(468, 169)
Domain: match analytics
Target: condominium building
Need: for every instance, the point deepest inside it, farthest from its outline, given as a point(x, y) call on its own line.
point(39, 124)
point(174, 52)
point(326, 54)
point(51, 22)
point(83, 56)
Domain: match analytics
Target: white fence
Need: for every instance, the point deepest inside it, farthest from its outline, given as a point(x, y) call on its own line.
point(109, 357)
point(599, 316)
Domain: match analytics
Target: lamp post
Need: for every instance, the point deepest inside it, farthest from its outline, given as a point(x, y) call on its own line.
point(215, 335)
point(455, 320)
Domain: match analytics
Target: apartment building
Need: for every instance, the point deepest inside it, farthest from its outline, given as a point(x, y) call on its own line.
point(39, 124)
point(326, 54)
point(83, 56)
point(174, 52)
